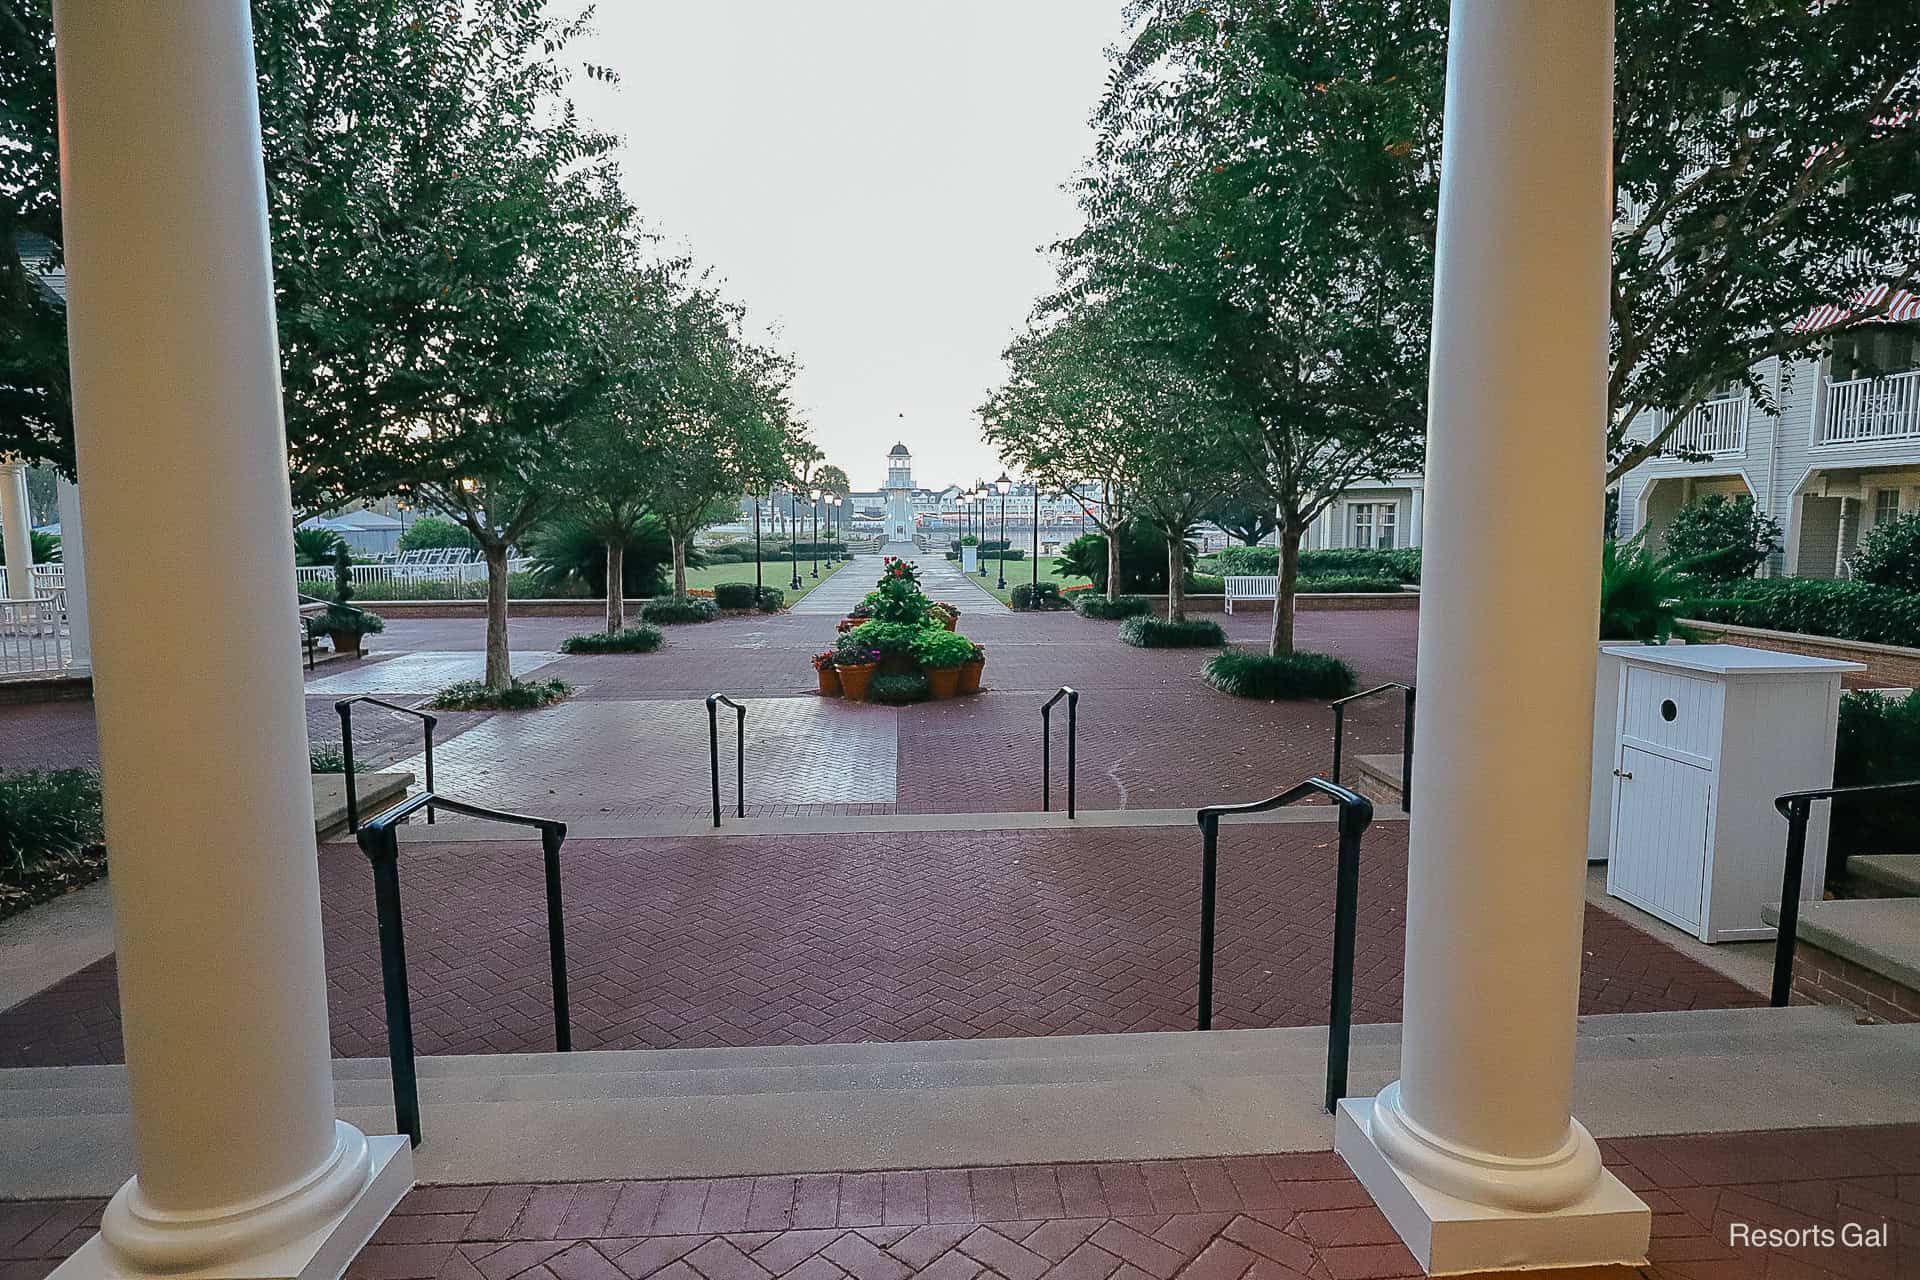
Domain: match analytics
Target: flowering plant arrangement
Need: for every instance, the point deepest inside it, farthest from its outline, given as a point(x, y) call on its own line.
point(893, 567)
point(822, 661)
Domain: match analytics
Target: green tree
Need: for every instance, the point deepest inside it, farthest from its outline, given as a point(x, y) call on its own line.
point(1244, 513)
point(36, 408)
point(430, 533)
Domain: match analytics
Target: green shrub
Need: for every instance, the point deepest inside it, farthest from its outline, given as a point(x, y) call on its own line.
point(567, 553)
point(310, 547)
point(1143, 558)
point(1246, 562)
point(672, 609)
point(520, 695)
point(1148, 632)
point(1879, 741)
point(1206, 584)
point(1402, 565)
point(640, 639)
point(1639, 594)
point(890, 639)
point(808, 549)
point(1815, 607)
point(50, 833)
point(327, 757)
point(772, 600)
point(1890, 557)
point(1348, 585)
point(1008, 554)
point(910, 687)
point(897, 600)
point(1296, 675)
point(733, 595)
point(1037, 595)
point(1098, 606)
point(431, 533)
point(1721, 537)
point(936, 647)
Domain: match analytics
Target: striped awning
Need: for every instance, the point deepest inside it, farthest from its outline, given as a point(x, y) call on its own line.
point(1867, 305)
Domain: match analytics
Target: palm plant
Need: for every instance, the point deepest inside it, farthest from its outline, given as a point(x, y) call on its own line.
point(1640, 593)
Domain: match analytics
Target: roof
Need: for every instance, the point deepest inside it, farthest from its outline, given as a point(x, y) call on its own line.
point(899, 451)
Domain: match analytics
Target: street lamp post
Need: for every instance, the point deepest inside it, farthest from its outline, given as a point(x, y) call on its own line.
point(816, 532)
point(793, 546)
point(1005, 486)
point(1036, 536)
point(756, 543)
point(980, 493)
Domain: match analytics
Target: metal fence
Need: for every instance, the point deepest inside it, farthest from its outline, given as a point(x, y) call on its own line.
point(33, 635)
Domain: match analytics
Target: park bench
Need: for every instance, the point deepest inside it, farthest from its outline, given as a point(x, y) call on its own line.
point(1251, 587)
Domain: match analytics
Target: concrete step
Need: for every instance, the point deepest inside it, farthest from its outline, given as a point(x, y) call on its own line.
point(1892, 875)
point(725, 1112)
point(1378, 778)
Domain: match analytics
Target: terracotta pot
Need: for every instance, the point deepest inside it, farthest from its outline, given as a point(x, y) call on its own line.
point(944, 681)
point(970, 675)
point(847, 624)
point(853, 680)
point(345, 642)
point(829, 681)
point(950, 622)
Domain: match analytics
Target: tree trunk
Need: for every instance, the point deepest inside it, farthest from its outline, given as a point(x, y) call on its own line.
point(499, 667)
point(616, 584)
point(679, 565)
point(1113, 564)
point(1282, 642)
point(1176, 579)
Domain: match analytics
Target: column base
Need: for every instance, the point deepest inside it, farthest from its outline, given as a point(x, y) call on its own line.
point(1450, 1236)
point(321, 1254)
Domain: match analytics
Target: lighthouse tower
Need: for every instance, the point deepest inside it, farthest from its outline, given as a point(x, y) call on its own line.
point(899, 494)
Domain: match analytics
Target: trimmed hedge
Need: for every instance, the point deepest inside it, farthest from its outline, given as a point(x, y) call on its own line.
point(1206, 584)
point(1401, 566)
point(521, 695)
point(1879, 741)
point(50, 835)
point(1098, 606)
point(1348, 585)
point(1148, 632)
point(671, 609)
point(1815, 607)
point(1296, 675)
point(640, 639)
point(910, 687)
point(739, 595)
point(1038, 595)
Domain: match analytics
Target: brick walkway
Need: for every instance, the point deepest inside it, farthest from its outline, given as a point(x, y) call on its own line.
point(1248, 1218)
point(764, 940)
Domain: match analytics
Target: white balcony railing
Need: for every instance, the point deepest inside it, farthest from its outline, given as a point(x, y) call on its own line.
point(1716, 428)
point(33, 636)
point(1869, 410)
point(406, 573)
point(47, 579)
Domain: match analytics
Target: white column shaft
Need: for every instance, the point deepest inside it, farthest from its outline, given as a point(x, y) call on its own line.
point(73, 563)
point(203, 739)
point(16, 531)
point(1511, 583)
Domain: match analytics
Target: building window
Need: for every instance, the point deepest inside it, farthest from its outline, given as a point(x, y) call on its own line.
point(1373, 524)
point(1886, 505)
point(1874, 351)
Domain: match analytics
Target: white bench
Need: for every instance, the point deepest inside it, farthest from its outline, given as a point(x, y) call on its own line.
point(1252, 588)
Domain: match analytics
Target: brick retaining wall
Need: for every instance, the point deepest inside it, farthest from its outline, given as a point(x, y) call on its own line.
point(1888, 666)
point(1822, 976)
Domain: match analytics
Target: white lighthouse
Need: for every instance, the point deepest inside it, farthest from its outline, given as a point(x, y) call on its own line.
point(900, 525)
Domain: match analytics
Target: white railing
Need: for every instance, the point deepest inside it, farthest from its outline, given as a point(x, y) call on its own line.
point(1716, 427)
point(406, 573)
point(1868, 410)
point(47, 579)
point(33, 636)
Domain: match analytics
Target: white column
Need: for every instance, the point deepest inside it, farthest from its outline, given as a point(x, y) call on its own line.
point(73, 567)
point(1473, 1154)
point(240, 1166)
point(16, 531)
point(1416, 516)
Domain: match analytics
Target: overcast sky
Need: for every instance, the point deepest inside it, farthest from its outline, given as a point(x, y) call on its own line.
point(873, 179)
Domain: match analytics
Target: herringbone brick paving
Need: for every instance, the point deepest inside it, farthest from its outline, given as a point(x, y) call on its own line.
point(768, 940)
point(1246, 1218)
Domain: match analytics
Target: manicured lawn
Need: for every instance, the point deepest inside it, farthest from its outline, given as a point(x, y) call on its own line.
point(1019, 571)
point(773, 573)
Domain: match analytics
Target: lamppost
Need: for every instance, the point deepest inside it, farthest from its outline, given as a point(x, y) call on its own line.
point(1035, 486)
point(980, 492)
point(756, 542)
point(1005, 486)
point(966, 525)
point(793, 546)
point(816, 531)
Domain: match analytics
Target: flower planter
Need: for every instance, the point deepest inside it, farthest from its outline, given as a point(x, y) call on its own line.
point(853, 680)
point(346, 641)
point(944, 682)
point(970, 676)
point(829, 681)
point(950, 622)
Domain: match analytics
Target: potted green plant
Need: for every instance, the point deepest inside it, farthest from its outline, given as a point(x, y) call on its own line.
point(942, 654)
point(970, 670)
point(345, 624)
point(823, 666)
point(855, 664)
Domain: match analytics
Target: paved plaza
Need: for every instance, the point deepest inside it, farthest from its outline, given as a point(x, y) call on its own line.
point(1276, 1217)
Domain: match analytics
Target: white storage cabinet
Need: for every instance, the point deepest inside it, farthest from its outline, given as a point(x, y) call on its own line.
point(1707, 736)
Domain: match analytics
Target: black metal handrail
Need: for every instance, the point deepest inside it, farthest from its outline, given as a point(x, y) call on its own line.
point(1797, 808)
point(1339, 706)
point(1072, 696)
point(740, 753)
point(1356, 811)
point(345, 709)
point(380, 841)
